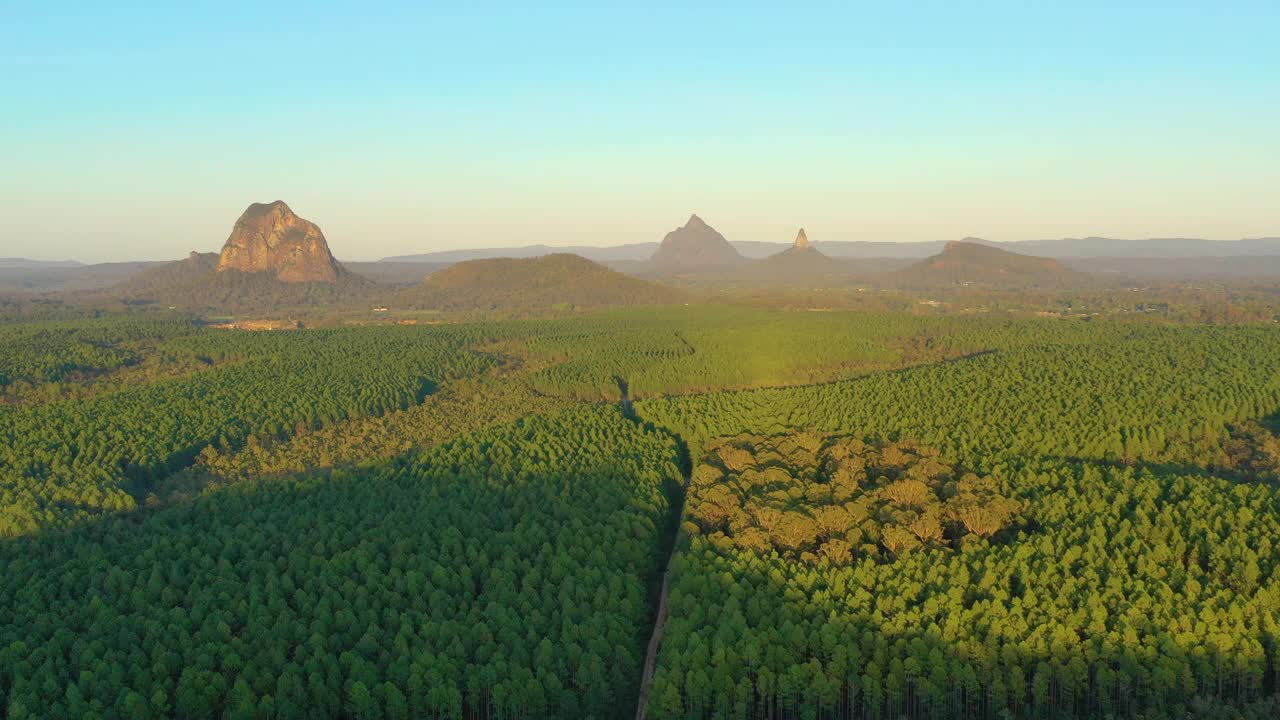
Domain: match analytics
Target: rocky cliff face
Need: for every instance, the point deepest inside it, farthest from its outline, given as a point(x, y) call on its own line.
point(271, 238)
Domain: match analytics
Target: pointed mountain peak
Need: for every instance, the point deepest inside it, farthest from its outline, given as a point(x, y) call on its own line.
point(802, 240)
point(696, 245)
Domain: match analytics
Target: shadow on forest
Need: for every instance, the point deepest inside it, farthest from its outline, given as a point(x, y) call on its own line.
point(205, 492)
point(668, 546)
point(675, 492)
point(1159, 469)
point(142, 480)
point(353, 529)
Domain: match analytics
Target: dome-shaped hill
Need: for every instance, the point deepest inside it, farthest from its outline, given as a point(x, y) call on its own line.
point(559, 279)
point(972, 263)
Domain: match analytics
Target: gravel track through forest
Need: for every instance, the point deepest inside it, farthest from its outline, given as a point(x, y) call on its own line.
point(660, 616)
point(655, 640)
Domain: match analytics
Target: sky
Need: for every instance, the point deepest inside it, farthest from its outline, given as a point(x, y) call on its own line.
point(142, 130)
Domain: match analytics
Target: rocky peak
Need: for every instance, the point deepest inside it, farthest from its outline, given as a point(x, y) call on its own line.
point(802, 240)
point(269, 237)
point(696, 245)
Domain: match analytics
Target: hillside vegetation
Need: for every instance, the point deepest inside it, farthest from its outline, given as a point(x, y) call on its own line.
point(196, 284)
point(970, 263)
point(556, 280)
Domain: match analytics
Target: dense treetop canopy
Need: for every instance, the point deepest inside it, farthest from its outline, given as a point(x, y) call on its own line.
point(867, 515)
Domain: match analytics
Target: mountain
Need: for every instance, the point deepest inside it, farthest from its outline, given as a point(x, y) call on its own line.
point(1098, 247)
point(862, 249)
point(543, 282)
point(395, 273)
point(757, 249)
point(799, 262)
point(626, 255)
point(273, 260)
point(801, 265)
point(621, 256)
point(269, 237)
point(972, 263)
point(199, 284)
point(171, 278)
point(69, 276)
point(616, 253)
point(1058, 249)
point(695, 246)
point(16, 263)
point(798, 265)
point(1179, 269)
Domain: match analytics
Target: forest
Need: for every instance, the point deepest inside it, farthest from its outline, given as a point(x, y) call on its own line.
point(842, 514)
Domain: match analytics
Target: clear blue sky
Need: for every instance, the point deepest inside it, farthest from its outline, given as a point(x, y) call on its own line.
point(141, 130)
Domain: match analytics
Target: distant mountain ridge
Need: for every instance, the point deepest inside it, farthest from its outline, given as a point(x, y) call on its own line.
point(1058, 248)
point(1150, 247)
point(631, 251)
point(269, 240)
point(1238, 267)
point(16, 262)
point(67, 277)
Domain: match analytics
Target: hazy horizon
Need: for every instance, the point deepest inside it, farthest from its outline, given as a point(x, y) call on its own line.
point(143, 132)
point(446, 247)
